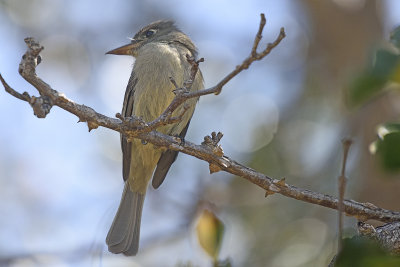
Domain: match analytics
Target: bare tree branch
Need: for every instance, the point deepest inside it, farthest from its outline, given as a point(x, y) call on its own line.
point(209, 150)
point(388, 235)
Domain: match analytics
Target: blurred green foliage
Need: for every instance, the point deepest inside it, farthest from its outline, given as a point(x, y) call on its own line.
point(395, 37)
point(363, 252)
point(384, 69)
point(387, 147)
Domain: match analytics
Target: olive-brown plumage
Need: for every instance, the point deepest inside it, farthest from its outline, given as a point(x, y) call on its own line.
point(160, 50)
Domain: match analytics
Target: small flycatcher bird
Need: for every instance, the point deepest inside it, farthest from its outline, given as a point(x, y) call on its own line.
point(160, 50)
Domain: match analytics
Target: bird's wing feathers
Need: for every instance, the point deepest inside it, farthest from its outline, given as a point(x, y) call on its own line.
point(165, 162)
point(167, 158)
point(127, 110)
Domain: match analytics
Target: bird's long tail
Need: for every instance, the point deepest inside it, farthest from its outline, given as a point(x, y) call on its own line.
point(123, 236)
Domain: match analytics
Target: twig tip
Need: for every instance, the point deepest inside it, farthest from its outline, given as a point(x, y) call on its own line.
point(282, 32)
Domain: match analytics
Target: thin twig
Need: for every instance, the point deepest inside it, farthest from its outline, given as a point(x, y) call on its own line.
point(247, 62)
point(342, 180)
point(258, 35)
point(24, 96)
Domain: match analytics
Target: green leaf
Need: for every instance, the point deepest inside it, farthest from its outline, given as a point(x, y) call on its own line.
point(388, 149)
point(385, 63)
point(395, 37)
point(364, 87)
point(395, 77)
point(362, 252)
point(386, 128)
point(373, 80)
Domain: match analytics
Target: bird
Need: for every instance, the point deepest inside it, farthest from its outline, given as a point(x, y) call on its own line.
point(161, 51)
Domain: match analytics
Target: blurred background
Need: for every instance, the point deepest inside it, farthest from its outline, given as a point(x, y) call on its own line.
point(60, 185)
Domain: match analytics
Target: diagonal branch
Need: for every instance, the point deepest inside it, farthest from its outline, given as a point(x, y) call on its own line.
point(209, 150)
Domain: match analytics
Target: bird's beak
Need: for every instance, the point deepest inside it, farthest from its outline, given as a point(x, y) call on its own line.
point(129, 49)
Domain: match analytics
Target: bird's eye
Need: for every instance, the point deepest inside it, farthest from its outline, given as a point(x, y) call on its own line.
point(149, 33)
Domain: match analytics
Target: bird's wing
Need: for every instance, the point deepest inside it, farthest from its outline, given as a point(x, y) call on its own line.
point(169, 156)
point(127, 109)
point(165, 162)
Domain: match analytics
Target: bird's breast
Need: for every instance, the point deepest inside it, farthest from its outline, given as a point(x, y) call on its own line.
point(154, 66)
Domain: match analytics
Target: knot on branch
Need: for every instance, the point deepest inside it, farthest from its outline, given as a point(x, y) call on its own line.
point(275, 186)
point(41, 105)
point(34, 47)
point(366, 229)
point(92, 125)
point(133, 124)
point(31, 58)
point(211, 142)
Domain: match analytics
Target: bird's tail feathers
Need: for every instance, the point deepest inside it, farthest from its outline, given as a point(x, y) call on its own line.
point(123, 236)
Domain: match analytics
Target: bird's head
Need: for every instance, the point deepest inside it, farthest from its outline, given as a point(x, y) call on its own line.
point(164, 31)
